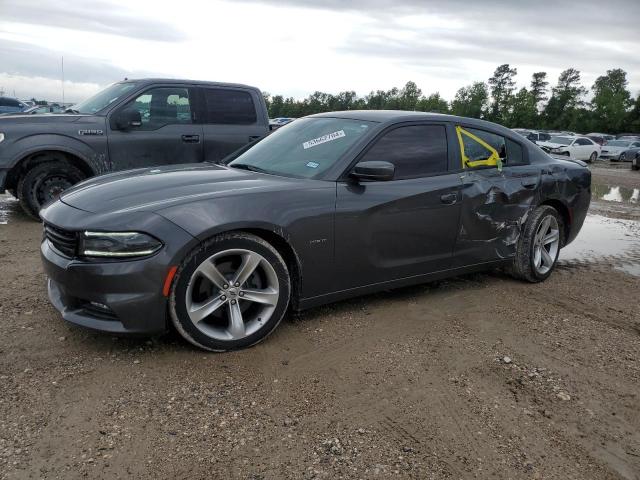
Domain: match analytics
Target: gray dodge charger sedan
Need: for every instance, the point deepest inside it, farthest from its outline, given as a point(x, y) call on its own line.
point(328, 207)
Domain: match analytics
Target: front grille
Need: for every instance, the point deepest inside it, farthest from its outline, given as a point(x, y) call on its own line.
point(63, 241)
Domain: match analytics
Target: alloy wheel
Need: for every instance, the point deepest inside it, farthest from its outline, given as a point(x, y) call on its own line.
point(232, 294)
point(546, 244)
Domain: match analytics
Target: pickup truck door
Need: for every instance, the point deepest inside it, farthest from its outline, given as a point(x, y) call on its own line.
point(231, 118)
point(168, 133)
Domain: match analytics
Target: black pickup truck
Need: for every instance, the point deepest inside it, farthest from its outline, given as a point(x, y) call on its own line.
point(131, 124)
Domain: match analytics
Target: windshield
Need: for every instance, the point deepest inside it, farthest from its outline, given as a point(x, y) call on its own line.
point(304, 148)
point(561, 140)
point(104, 98)
point(618, 143)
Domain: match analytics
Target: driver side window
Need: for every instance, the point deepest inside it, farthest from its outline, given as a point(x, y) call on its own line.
point(162, 106)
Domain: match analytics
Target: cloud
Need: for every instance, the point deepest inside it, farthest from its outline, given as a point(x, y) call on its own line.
point(31, 70)
point(90, 16)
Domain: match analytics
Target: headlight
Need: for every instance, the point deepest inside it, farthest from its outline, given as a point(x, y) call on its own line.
point(118, 244)
point(1, 136)
point(557, 149)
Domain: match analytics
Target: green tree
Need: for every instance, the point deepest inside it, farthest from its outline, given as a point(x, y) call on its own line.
point(409, 96)
point(276, 106)
point(566, 98)
point(433, 103)
point(633, 117)
point(502, 85)
point(611, 101)
point(471, 101)
point(539, 86)
point(523, 111)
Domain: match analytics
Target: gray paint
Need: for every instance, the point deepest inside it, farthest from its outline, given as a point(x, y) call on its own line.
point(107, 149)
point(348, 237)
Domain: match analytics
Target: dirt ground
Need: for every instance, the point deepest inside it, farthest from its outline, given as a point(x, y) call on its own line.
point(481, 376)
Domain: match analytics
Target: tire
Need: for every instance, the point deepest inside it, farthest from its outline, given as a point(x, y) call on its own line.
point(45, 182)
point(524, 265)
point(203, 311)
point(622, 157)
point(635, 165)
point(593, 157)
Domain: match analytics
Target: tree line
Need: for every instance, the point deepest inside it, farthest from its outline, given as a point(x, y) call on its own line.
point(612, 109)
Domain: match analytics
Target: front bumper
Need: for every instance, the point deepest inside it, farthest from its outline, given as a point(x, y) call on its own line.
point(132, 290)
point(609, 156)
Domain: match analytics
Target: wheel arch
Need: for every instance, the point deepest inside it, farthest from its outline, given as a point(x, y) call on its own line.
point(565, 214)
point(279, 242)
point(31, 159)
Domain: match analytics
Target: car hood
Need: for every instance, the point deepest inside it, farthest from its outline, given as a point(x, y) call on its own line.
point(40, 119)
point(551, 145)
point(153, 189)
point(607, 148)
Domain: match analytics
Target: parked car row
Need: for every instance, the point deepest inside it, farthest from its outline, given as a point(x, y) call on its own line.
point(589, 147)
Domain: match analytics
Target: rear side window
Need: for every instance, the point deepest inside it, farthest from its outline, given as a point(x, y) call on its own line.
point(415, 151)
point(480, 148)
point(229, 107)
point(583, 141)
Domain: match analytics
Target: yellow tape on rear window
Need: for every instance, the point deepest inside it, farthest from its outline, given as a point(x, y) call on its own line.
point(493, 160)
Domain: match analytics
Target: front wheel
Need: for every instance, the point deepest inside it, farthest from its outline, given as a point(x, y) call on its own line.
point(539, 245)
point(622, 157)
point(44, 183)
point(230, 293)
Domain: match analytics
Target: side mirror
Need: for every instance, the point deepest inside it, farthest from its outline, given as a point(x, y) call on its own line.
point(373, 170)
point(127, 118)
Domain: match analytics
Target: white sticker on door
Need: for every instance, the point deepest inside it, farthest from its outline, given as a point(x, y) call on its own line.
point(329, 137)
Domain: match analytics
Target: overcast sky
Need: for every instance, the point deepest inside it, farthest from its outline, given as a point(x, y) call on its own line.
point(294, 47)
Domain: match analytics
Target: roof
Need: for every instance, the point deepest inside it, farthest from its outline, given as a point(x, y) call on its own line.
point(394, 116)
point(194, 82)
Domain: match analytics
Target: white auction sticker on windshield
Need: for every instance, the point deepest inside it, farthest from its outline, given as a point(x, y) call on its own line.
point(329, 137)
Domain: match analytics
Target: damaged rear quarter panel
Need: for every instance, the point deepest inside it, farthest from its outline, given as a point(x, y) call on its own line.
point(496, 205)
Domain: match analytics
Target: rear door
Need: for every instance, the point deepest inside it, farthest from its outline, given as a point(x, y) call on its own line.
point(169, 132)
point(395, 229)
point(499, 187)
point(231, 120)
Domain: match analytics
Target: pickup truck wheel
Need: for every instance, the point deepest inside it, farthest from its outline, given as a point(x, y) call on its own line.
point(538, 246)
point(44, 183)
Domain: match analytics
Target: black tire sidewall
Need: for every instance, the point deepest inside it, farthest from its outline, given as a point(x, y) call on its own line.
point(29, 182)
point(177, 307)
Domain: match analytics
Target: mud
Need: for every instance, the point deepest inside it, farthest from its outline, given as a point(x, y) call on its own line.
point(480, 376)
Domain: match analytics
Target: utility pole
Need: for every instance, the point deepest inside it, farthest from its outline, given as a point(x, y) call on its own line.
point(63, 80)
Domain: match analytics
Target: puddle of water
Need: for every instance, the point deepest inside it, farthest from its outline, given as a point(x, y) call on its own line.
point(612, 240)
point(615, 193)
point(8, 205)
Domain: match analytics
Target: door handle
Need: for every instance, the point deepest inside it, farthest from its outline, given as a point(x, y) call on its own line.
point(529, 183)
point(254, 137)
point(449, 198)
point(191, 138)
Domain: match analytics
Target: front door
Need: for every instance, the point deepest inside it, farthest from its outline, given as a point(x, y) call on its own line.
point(403, 227)
point(167, 135)
point(499, 188)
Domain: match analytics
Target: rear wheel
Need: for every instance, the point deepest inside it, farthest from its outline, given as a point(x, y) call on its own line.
point(230, 293)
point(45, 182)
point(539, 245)
point(593, 157)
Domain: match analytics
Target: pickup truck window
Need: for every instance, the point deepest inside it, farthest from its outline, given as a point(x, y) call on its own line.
point(162, 106)
point(104, 98)
point(230, 107)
